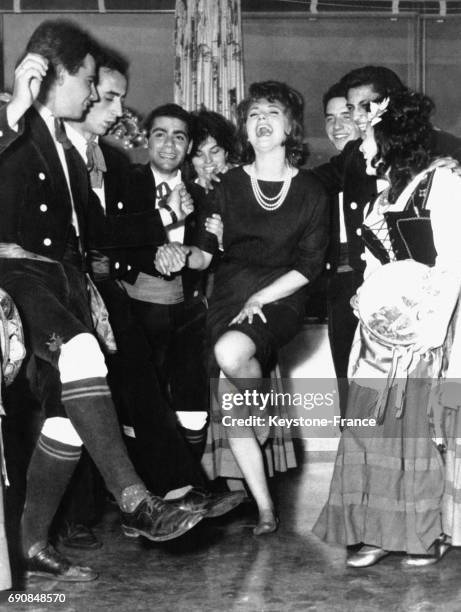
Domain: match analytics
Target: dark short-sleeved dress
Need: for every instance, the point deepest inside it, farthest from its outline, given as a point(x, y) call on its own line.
point(259, 247)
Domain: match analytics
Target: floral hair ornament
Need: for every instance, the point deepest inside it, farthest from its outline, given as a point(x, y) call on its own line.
point(377, 110)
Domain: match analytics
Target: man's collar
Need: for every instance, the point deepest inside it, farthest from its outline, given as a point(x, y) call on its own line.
point(46, 115)
point(76, 137)
point(172, 182)
point(43, 111)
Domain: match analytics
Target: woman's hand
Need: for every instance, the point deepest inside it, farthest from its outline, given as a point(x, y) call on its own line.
point(206, 179)
point(170, 258)
point(282, 287)
point(215, 226)
point(186, 201)
point(251, 308)
point(180, 202)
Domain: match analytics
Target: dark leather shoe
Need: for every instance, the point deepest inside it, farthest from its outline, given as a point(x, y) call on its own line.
point(159, 520)
point(79, 536)
point(214, 504)
point(49, 563)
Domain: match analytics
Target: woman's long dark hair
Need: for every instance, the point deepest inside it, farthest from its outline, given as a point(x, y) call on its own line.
point(403, 137)
point(293, 103)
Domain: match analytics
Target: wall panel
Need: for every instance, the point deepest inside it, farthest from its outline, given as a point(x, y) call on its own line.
point(146, 39)
point(309, 53)
point(442, 65)
point(312, 54)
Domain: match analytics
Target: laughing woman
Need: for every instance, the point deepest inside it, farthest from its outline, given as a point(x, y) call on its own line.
point(387, 486)
point(275, 235)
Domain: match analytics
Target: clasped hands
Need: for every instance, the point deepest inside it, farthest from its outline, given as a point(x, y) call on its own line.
point(171, 258)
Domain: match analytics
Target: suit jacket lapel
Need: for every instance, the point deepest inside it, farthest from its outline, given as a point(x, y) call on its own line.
point(43, 143)
point(112, 180)
point(78, 175)
point(150, 185)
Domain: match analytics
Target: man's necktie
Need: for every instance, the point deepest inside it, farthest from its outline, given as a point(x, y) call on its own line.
point(96, 164)
point(161, 194)
point(60, 134)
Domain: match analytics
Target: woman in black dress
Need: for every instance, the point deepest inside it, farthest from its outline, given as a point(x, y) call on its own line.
point(275, 220)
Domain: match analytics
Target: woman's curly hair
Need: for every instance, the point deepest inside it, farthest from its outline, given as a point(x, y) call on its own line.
point(403, 138)
point(293, 103)
point(206, 124)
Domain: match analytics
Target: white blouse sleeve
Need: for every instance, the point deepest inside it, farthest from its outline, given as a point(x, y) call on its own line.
point(444, 202)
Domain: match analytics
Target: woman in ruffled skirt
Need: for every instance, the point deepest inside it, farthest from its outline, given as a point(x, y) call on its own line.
point(388, 481)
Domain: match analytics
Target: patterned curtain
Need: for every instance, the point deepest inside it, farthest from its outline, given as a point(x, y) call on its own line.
point(209, 59)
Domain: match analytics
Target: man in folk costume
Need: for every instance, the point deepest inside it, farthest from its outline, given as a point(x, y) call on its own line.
point(49, 221)
point(163, 457)
point(32, 69)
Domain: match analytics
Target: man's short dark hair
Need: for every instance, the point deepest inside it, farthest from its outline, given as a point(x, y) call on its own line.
point(383, 80)
point(63, 43)
point(335, 91)
point(169, 110)
point(112, 60)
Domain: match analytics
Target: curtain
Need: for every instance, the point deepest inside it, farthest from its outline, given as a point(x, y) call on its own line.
point(209, 58)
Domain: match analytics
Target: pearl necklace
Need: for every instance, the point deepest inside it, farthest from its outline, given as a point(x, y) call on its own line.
point(265, 201)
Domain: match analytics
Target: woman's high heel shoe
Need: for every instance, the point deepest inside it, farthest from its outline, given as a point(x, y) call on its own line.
point(441, 547)
point(366, 556)
point(268, 523)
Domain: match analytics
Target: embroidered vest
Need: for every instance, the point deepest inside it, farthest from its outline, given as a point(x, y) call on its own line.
point(410, 230)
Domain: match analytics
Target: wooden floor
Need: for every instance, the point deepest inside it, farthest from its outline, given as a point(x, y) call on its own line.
point(220, 566)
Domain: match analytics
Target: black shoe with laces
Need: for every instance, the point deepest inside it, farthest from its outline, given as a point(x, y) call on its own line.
point(49, 563)
point(159, 520)
point(214, 504)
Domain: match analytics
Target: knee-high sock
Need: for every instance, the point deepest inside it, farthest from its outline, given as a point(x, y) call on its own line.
point(196, 440)
point(50, 470)
point(192, 425)
point(89, 406)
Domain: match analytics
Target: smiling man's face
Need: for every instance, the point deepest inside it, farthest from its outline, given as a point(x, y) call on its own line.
point(169, 144)
point(339, 126)
point(358, 103)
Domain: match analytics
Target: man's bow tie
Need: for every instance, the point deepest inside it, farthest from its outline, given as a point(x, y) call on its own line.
point(96, 164)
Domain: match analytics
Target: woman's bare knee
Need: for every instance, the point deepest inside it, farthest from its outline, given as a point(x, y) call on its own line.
point(233, 352)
